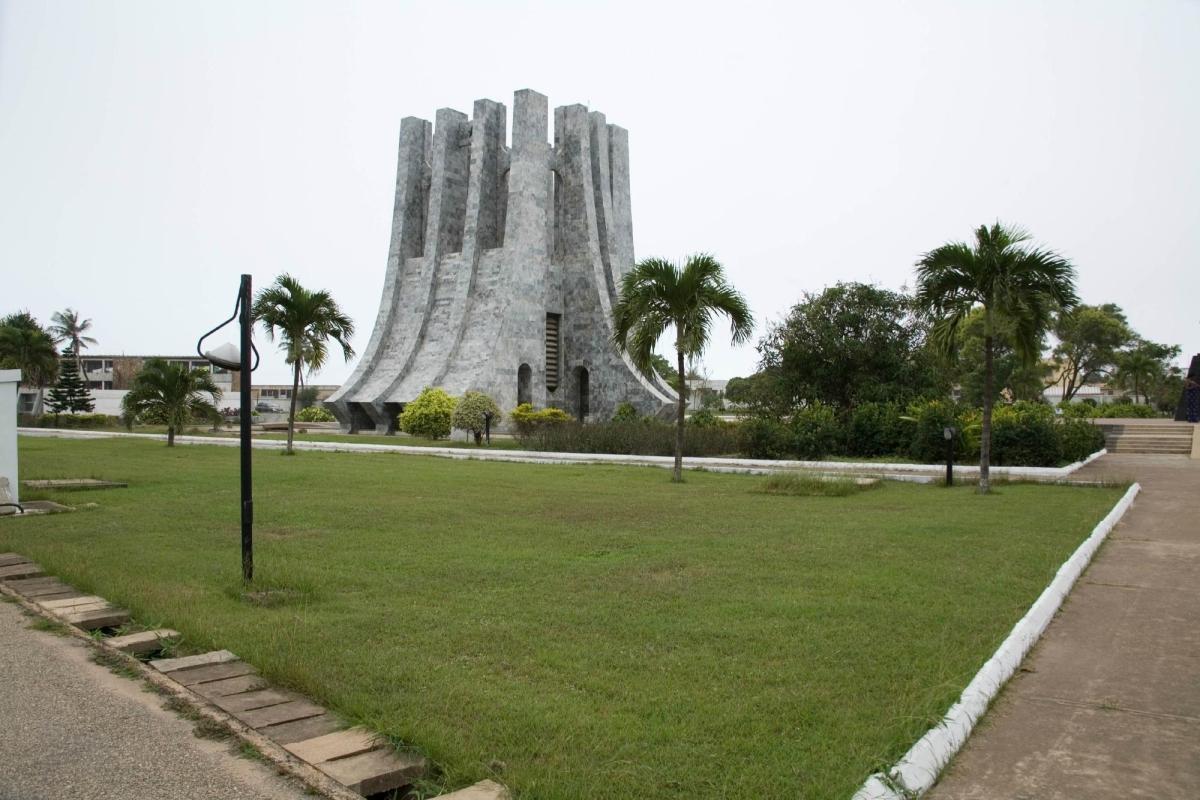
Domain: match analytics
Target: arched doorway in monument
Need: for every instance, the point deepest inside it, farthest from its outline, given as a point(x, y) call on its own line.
point(582, 401)
point(524, 384)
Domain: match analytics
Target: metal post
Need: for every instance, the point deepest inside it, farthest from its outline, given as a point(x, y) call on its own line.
point(247, 322)
point(950, 458)
point(487, 426)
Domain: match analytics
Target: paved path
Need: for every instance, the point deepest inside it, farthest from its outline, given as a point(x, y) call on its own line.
point(72, 729)
point(1108, 704)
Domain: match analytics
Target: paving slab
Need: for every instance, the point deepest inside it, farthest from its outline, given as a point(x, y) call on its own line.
point(484, 790)
point(142, 642)
point(225, 686)
point(24, 570)
point(187, 662)
point(51, 592)
point(276, 715)
point(56, 604)
point(289, 732)
point(94, 620)
point(215, 672)
point(339, 744)
point(375, 771)
point(1107, 706)
point(248, 701)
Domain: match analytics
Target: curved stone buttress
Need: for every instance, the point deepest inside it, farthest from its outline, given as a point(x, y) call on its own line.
point(503, 268)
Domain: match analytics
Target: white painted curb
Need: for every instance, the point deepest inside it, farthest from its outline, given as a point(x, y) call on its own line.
point(757, 466)
point(918, 769)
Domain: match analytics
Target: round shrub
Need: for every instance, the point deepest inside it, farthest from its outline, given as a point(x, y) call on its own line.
point(314, 414)
point(1126, 410)
point(1025, 435)
point(429, 415)
point(1078, 410)
point(815, 431)
point(1080, 438)
point(625, 413)
point(762, 437)
point(876, 429)
point(929, 419)
point(703, 419)
point(472, 412)
point(529, 422)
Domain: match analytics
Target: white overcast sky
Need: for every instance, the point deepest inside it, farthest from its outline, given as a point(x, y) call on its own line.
point(152, 151)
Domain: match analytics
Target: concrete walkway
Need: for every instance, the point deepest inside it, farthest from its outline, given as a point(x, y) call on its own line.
point(1108, 703)
point(72, 729)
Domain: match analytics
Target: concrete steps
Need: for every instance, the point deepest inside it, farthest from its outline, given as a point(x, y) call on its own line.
point(1148, 437)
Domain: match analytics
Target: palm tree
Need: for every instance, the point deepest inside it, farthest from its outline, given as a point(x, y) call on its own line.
point(1011, 280)
point(170, 394)
point(305, 321)
point(1137, 370)
point(25, 346)
point(66, 326)
point(657, 295)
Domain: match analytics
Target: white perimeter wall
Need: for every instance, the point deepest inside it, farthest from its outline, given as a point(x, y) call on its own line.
point(10, 381)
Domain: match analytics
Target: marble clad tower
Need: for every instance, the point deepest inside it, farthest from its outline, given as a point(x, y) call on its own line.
point(504, 266)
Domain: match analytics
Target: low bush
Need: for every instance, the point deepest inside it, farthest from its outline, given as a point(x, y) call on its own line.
point(429, 415)
point(625, 413)
point(703, 419)
point(1126, 410)
point(929, 419)
point(528, 421)
point(877, 429)
point(314, 414)
point(1080, 438)
point(1025, 435)
point(816, 432)
point(1080, 410)
point(76, 421)
point(647, 437)
point(763, 437)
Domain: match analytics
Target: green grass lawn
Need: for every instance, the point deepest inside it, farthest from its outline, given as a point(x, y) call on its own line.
point(575, 631)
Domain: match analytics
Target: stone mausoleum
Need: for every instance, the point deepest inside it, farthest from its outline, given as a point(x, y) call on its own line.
point(504, 266)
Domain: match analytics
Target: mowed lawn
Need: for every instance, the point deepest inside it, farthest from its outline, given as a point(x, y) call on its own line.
point(574, 631)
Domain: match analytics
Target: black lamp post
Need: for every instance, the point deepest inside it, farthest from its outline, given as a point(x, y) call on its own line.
point(237, 359)
point(948, 435)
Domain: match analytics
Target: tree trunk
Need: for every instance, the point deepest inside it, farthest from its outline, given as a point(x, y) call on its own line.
point(292, 411)
point(681, 409)
point(170, 436)
point(989, 384)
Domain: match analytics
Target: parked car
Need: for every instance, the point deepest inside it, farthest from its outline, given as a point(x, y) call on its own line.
point(267, 408)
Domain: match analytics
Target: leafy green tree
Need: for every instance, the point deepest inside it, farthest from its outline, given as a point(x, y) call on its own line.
point(430, 415)
point(662, 366)
point(307, 398)
point(1015, 378)
point(1145, 367)
point(1089, 338)
point(24, 345)
point(657, 295)
point(305, 321)
point(473, 412)
point(170, 394)
point(1009, 279)
point(851, 343)
point(70, 395)
point(66, 327)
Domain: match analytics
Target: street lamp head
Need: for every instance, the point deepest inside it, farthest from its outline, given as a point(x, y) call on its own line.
point(226, 356)
point(947, 433)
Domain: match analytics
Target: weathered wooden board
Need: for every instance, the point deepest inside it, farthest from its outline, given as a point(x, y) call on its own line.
point(339, 744)
point(284, 712)
point(25, 570)
point(375, 771)
point(288, 732)
point(224, 686)
point(94, 620)
point(142, 641)
point(187, 662)
point(248, 701)
point(215, 672)
point(484, 790)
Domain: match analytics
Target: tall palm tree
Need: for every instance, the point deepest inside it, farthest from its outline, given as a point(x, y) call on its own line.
point(66, 326)
point(305, 321)
point(1009, 279)
point(25, 346)
point(172, 395)
point(1138, 370)
point(657, 295)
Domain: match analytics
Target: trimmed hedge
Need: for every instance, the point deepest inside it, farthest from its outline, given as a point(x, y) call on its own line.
point(646, 437)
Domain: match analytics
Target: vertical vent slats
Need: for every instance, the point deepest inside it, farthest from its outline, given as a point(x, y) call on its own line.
point(552, 324)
